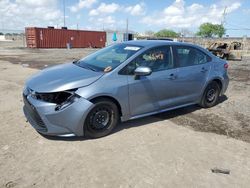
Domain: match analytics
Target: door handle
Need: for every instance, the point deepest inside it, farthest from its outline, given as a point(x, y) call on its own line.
point(203, 69)
point(172, 76)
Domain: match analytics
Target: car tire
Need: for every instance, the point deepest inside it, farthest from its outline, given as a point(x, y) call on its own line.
point(211, 95)
point(102, 119)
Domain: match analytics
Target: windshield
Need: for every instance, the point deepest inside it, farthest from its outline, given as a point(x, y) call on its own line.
point(108, 58)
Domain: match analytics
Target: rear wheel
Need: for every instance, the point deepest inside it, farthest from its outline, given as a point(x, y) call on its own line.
point(211, 95)
point(102, 119)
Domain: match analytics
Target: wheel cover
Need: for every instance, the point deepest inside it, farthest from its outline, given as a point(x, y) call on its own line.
point(211, 95)
point(100, 119)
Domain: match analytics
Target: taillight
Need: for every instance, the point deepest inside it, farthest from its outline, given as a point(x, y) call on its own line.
point(225, 65)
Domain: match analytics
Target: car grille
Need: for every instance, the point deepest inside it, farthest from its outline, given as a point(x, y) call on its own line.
point(33, 114)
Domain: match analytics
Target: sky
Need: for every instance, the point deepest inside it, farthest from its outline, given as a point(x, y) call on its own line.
point(143, 15)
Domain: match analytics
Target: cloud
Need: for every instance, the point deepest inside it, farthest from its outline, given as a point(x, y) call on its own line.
point(20, 13)
point(176, 8)
point(36, 3)
point(178, 15)
point(82, 4)
point(233, 7)
point(103, 22)
point(78, 17)
point(100, 21)
point(106, 20)
point(136, 10)
point(104, 9)
point(246, 11)
point(101, 16)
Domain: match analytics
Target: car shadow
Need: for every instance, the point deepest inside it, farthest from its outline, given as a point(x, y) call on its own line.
point(157, 117)
point(162, 116)
point(222, 99)
point(142, 121)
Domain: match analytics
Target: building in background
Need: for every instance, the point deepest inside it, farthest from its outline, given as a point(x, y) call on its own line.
point(2, 38)
point(121, 36)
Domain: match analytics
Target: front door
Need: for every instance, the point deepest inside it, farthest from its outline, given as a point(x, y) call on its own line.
point(150, 93)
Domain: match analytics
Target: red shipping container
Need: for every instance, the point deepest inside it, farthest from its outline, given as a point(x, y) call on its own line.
point(59, 38)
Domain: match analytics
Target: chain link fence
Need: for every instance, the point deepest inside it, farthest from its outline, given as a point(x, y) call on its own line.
point(16, 36)
point(19, 37)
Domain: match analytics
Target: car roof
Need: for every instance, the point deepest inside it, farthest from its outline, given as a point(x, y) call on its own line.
point(155, 43)
point(149, 43)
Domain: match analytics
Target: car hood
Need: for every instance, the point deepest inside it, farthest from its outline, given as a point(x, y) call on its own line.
point(62, 77)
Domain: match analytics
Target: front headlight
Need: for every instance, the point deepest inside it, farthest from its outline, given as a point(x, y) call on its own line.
point(73, 98)
point(61, 99)
point(26, 91)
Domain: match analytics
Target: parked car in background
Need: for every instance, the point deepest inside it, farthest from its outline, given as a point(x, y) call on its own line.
point(122, 82)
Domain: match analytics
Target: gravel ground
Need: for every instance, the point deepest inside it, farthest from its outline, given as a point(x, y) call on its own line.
point(173, 149)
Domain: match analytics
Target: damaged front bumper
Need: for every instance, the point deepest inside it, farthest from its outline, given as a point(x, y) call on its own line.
point(44, 117)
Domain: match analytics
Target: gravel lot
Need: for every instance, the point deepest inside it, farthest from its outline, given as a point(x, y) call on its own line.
point(176, 148)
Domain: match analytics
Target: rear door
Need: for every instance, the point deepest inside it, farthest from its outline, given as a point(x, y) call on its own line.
point(194, 66)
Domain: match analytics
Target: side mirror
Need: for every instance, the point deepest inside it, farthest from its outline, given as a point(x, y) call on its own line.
point(142, 71)
point(75, 60)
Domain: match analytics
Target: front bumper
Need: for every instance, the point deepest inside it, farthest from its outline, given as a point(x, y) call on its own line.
point(43, 117)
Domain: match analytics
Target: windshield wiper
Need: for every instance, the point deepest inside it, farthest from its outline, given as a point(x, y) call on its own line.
point(90, 68)
point(84, 65)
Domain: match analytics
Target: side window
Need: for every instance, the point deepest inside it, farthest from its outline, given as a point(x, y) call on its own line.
point(188, 56)
point(157, 59)
point(201, 57)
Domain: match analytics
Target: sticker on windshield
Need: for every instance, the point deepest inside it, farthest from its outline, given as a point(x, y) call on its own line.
point(133, 48)
point(108, 69)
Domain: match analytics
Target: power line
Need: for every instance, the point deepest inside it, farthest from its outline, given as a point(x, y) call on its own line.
point(235, 25)
point(239, 29)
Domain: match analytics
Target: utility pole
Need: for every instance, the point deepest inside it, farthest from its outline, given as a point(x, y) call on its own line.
point(2, 26)
point(64, 24)
point(127, 29)
point(223, 21)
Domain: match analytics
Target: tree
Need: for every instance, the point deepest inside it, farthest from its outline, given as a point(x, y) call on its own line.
point(219, 30)
point(1, 33)
point(166, 33)
point(210, 30)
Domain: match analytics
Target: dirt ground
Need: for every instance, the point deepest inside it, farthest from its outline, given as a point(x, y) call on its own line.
point(173, 149)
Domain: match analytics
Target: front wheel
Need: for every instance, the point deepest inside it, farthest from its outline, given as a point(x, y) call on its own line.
point(102, 119)
point(211, 95)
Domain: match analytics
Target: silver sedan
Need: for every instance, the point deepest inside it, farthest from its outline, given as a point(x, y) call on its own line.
point(124, 81)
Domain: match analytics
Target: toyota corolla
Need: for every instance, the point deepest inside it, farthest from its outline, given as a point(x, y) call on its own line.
point(121, 82)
